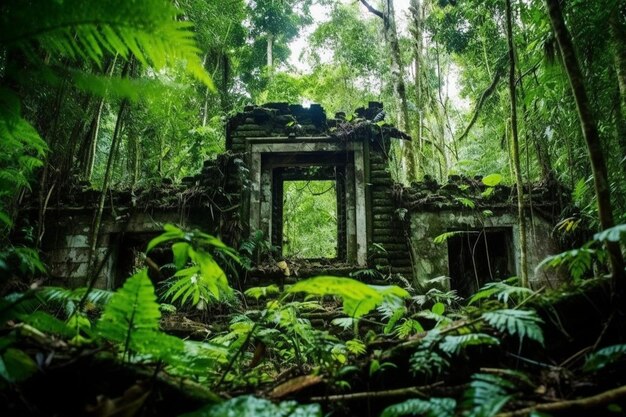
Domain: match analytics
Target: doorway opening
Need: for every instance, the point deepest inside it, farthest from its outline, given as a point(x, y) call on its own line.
point(476, 257)
point(309, 223)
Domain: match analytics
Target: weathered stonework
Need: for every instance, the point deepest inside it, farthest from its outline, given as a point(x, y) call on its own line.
point(380, 224)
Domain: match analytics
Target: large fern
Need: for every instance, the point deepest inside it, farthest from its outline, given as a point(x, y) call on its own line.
point(87, 29)
point(520, 323)
point(504, 291)
point(131, 319)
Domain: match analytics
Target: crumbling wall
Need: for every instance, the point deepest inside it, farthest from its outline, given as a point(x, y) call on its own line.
point(463, 205)
point(383, 225)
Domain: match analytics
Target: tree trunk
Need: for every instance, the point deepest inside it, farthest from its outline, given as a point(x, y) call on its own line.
point(417, 10)
point(591, 135)
point(270, 51)
point(618, 36)
point(521, 215)
point(397, 76)
point(399, 88)
point(95, 226)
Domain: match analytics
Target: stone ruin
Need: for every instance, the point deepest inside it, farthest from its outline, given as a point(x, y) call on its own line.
point(380, 224)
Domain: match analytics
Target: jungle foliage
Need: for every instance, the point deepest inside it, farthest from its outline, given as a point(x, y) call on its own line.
point(101, 95)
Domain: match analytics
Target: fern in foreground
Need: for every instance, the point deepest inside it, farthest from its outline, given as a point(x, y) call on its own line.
point(434, 407)
point(250, 406)
point(132, 317)
point(520, 323)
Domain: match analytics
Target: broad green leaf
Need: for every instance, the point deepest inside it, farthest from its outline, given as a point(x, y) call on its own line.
point(492, 180)
point(358, 298)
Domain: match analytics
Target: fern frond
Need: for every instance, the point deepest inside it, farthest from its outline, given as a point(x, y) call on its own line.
point(87, 29)
point(356, 347)
point(428, 362)
point(434, 407)
point(604, 357)
point(258, 292)
point(454, 344)
point(578, 261)
point(520, 323)
point(408, 328)
point(131, 318)
point(250, 406)
point(487, 394)
point(501, 290)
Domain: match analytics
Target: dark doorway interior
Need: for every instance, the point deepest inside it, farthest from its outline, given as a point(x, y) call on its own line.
point(479, 256)
point(130, 258)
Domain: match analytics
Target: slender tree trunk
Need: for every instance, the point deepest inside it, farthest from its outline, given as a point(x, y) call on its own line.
point(95, 226)
point(618, 36)
point(592, 137)
point(399, 88)
point(515, 149)
point(417, 10)
point(270, 52)
point(397, 76)
point(90, 144)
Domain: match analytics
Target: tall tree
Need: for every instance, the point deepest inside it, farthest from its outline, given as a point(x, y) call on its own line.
point(521, 215)
point(397, 75)
point(591, 135)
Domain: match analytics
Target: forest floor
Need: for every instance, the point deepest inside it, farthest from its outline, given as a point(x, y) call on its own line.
point(508, 352)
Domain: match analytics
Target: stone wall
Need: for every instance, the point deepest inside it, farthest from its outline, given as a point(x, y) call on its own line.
point(467, 205)
point(382, 224)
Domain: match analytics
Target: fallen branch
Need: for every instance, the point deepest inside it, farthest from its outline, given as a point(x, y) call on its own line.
point(572, 405)
point(400, 392)
point(484, 96)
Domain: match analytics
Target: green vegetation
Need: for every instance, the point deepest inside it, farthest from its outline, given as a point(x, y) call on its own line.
point(109, 95)
point(310, 219)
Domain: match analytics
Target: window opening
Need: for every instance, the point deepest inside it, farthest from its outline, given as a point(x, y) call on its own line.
point(310, 229)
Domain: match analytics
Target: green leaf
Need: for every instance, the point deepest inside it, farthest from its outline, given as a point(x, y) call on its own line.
point(466, 202)
point(180, 251)
point(6, 219)
point(612, 234)
point(131, 319)
point(16, 365)
point(428, 362)
point(171, 233)
point(492, 180)
point(358, 298)
point(258, 292)
point(604, 357)
point(438, 309)
point(445, 236)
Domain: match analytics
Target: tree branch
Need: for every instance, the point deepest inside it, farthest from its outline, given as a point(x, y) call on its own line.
point(400, 392)
point(572, 405)
point(484, 96)
point(372, 9)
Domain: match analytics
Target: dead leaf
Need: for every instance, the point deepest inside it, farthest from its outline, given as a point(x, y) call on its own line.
point(294, 385)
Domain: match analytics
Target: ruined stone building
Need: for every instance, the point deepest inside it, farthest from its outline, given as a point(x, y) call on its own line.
point(380, 224)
